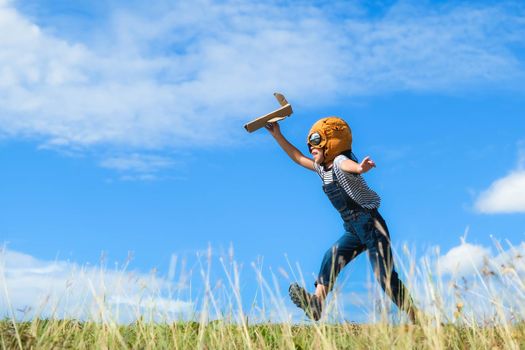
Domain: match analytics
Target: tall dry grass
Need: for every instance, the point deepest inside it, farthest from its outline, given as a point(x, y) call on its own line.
point(484, 311)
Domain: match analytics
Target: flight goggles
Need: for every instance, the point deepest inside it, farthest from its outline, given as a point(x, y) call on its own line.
point(316, 140)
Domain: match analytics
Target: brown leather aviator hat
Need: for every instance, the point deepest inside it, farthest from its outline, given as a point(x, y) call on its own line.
point(333, 135)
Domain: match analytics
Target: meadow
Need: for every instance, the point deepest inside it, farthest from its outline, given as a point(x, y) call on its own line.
point(60, 334)
point(484, 310)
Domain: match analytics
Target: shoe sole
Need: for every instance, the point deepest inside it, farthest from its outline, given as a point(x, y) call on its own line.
point(301, 298)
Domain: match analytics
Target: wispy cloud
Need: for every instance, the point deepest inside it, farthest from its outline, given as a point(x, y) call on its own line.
point(137, 162)
point(187, 73)
point(33, 287)
point(138, 167)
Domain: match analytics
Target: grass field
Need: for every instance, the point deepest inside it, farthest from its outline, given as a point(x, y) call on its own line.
point(56, 334)
point(482, 311)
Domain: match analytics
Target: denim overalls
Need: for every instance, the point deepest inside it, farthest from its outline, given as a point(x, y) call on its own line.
point(365, 230)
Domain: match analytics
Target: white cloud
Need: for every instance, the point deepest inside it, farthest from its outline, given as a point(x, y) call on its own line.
point(189, 73)
point(464, 259)
point(470, 284)
point(469, 259)
point(66, 290)
point(505, 195)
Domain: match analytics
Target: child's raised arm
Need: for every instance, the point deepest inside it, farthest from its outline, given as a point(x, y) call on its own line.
point(350, 166)
point(275, 130)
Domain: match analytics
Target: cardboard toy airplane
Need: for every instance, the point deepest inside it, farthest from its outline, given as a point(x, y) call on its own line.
point(275, 116)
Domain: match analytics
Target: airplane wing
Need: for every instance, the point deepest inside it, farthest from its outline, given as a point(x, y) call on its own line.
point(275, 116)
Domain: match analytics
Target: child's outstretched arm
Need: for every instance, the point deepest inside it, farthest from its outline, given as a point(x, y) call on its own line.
point(350, 166)
point(275, 130)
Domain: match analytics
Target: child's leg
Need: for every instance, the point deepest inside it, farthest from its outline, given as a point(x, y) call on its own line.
point(380, 254)
point(341, 253)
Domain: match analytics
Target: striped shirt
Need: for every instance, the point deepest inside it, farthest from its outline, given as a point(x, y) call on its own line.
point(353, 184)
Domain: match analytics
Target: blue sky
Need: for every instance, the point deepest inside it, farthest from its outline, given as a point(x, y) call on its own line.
point(121, 127)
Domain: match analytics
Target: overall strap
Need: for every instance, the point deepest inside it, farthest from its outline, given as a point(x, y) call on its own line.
point(352, 204)
point(334, 177)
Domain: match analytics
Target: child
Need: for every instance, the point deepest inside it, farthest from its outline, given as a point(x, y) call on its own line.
point(330, 143)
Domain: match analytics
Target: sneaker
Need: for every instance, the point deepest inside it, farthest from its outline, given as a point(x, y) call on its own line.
point(310, 303)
